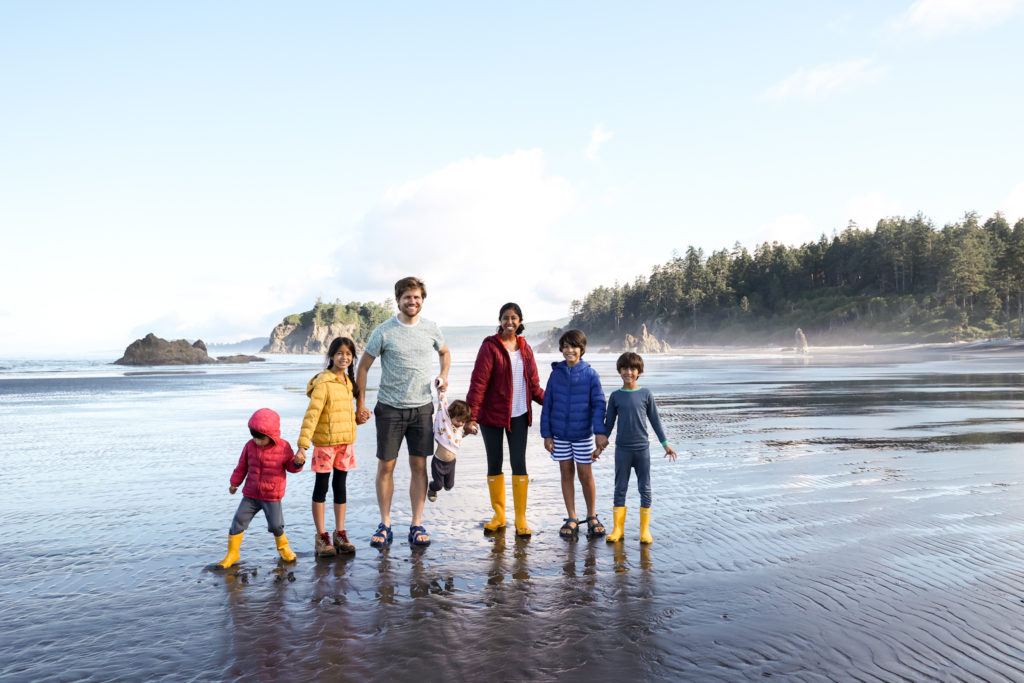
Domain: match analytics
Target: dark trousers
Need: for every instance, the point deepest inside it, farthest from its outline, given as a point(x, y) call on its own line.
point(442, 474)
point(248, 508)
point(516, 436)
point(638, 459)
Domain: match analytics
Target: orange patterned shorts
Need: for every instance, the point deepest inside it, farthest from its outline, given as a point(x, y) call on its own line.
point(327, 458)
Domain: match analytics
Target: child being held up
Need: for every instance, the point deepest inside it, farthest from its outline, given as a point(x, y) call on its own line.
point(263, 464)
point(634, 407)
point(449, 421)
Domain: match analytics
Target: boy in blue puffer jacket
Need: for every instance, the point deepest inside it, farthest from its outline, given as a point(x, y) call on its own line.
point(573, 414)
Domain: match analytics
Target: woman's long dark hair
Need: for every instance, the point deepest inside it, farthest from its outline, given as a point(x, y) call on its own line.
point(515, 309)
point(351, 346)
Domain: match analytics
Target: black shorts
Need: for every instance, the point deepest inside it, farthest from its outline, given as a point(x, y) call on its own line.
point(415, 425)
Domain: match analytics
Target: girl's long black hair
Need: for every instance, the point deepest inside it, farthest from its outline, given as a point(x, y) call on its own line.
point(518, 311)
point(351, 346)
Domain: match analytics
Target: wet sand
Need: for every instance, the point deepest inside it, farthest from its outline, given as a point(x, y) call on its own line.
point(849, 514)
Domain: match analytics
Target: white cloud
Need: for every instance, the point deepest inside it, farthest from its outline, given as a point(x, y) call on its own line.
point(790, 230)
point(480, 232)
point(946, 16)
point(1013, 206)
point(598, 137)
point(824, 80)
point(866, 210)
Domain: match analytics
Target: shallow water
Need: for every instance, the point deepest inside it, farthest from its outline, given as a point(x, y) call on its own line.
point(830, 517)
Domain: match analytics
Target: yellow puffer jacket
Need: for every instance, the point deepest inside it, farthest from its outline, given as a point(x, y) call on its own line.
point(331, 417)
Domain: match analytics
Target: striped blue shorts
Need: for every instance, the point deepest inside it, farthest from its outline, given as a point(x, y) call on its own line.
point(580, 451)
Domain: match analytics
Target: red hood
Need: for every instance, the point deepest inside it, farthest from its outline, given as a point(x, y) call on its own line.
point(266, 421)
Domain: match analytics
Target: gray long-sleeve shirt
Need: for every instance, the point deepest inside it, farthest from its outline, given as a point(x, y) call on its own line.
point(633, 409)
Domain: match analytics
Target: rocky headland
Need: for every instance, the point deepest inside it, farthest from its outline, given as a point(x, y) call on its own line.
point(152, 350)
point(293, 337)
point(643, 342)
point(313, 331)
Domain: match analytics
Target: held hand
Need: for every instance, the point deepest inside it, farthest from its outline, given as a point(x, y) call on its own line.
point(363, 414)
point(471, 427)
point(549, 445)
point(441, 382)
point(670, 454)
point(596, 455)
point(300, 458)
point(232, 489)
point(602, 441)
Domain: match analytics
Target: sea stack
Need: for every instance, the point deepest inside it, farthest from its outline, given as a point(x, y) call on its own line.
point(152, 350)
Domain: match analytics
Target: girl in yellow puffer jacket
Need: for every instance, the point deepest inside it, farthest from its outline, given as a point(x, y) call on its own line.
point(330, 425)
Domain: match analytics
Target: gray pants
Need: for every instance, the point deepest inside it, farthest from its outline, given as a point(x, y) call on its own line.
point(248, 508)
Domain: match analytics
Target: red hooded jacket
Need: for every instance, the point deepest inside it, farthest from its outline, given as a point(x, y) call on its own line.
point(263, 468)
point(490, 386)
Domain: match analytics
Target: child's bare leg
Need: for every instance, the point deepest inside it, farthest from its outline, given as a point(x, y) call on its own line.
point(567, 469)
point(586, 475)
point(318, 517)
point(339, 516)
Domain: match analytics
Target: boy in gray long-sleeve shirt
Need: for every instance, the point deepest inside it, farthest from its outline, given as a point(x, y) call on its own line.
point(634, 407)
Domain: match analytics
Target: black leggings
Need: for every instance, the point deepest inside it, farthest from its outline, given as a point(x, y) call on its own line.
point(516, 446)
point(320, 487)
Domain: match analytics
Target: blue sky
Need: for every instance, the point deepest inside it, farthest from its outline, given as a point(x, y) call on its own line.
point(200, 170)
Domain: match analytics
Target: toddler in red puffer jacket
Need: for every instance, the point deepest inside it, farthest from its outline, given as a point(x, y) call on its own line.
point(265, 460)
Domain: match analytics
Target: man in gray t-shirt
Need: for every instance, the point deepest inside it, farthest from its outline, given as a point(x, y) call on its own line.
point(406, 345)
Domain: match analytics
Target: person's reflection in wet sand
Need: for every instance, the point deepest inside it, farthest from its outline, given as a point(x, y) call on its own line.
point(260, 629)
point(331, 579)
point(385, 582)
point(496, 573)
point(419, 585)
point(521, 559)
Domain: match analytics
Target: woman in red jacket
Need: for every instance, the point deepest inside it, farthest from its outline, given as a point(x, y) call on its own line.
point(504, 381)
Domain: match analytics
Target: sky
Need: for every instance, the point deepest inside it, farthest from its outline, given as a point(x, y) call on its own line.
point(201, 170)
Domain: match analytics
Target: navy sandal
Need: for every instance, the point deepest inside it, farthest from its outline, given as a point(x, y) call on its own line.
point(383, 532)
point(570, 530)
point(417, 531)
point(594, 527)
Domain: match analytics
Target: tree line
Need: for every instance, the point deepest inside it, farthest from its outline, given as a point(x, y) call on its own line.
point(904, 280)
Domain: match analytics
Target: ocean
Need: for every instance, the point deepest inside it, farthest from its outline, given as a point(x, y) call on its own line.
point(845, 514)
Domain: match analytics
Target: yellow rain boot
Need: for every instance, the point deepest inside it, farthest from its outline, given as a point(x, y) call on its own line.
point(284, 549)
point(645, 526)
point(519, 485)
point(620, 524)
point(496, 485)
point(234, 543)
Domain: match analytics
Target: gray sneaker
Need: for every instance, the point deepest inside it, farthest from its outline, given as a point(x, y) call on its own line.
point(324, 547)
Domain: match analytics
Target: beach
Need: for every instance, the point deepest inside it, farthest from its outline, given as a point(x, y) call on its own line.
point(849, 513)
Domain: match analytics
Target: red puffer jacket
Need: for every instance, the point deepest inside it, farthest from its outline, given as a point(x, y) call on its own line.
point(490, 386)
point(263, 468)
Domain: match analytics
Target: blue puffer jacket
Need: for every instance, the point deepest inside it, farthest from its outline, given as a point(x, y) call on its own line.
point(573, 403)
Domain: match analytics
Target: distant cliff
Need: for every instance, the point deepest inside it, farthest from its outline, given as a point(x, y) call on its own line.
point(313, 331)
point(152, 350)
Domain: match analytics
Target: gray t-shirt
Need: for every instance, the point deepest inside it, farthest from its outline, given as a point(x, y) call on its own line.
point(633, 409)
point(408, 354)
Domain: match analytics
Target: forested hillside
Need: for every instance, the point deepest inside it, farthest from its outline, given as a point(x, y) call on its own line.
point(903, 281)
